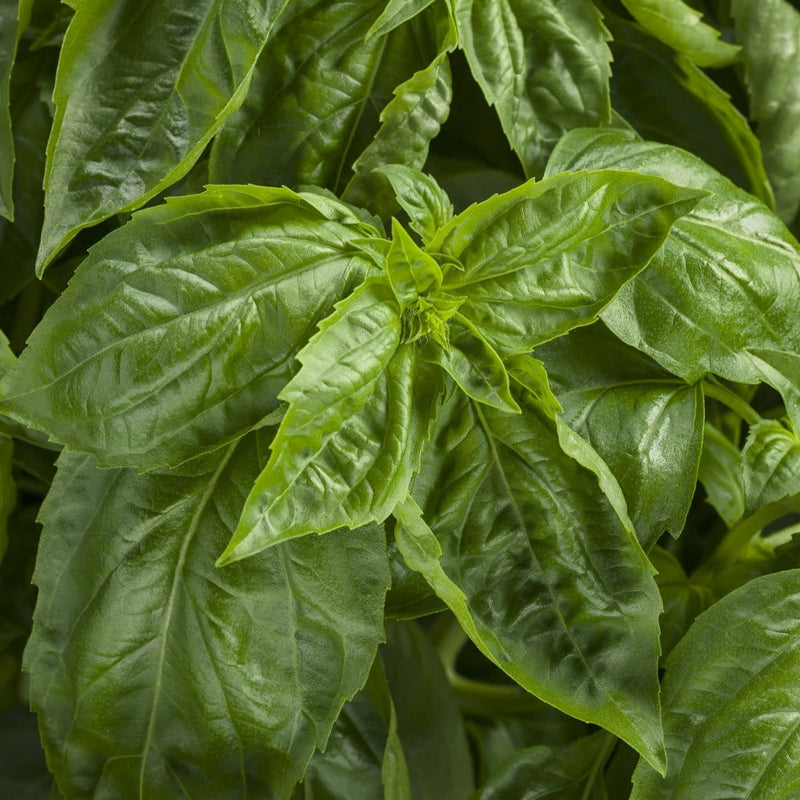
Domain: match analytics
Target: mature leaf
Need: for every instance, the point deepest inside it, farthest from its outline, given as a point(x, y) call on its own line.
point(23, 772)
point(722, 294)
point(645, 424)
point(682, 28)
point(395, 14)
point(563, 247)
point(668, 99)
point(140, 91)
point(186, 666)
point(426, 203)
point(312, 109)
point(179, 330)
point(429, 721)
point(550, 773)
point(731, 700)
point(721, 473)
point(347, 461)
point(538, 567)
point(771, 465)
point(544, 65)
point(769, 32)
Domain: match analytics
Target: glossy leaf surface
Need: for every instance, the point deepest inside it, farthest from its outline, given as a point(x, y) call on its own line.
point(771, 465)
point(538, 567)
point(563, 247)
point(769, 32)
point(180, 329)
point(700, 305)
point(246, 669)
point(731, 700)
point(396, 13)
point(645, 424)
point(721, 473)
point(543, 65)
point(681, 27)
point(140, 91)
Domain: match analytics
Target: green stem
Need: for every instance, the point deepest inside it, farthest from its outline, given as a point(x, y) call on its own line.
point(448, 638)
point(492, 699)
point(599, 763)
point(712, 388)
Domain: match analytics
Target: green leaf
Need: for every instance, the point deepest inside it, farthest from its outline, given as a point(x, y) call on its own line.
point(537, 567)
point(563, 247)
point(14, 16)
point(140, 91)
point(668, 99)
point(409, 122)
point(359, 412)
point(312, 109)
point(771, 465)
point(700, 306)
point(178, 331)
point(412, 272)
point(429, 720)
point(644, 423)
point(682, 28)
point(731, 700)
point(244, 669)
point(768, 31)
point(426, 203)
point(8, 490)
point(23, 772)
point(543, 64)
point(551, 773)
point(395, 14)
point(721, 473)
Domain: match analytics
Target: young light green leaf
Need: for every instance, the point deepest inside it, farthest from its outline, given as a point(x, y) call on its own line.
point(347, 461)
point(668, 99)
point(409, 122)
point(564, 247)
point(412, 272)
point(721, 473)
point(682, 28)
point(731, 700)
point(395, 14)
point(179, 330)
point(551, 773)
point(699, 307)
point(645, 424)
point(543, 64)
point(771, 465)
point(312, 109)
point(140, 91)
point(246, 670)
point(426, 203)
point(768, 31)
point(538, 568)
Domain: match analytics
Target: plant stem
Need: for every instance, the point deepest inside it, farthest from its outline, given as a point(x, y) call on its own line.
point(712, 388)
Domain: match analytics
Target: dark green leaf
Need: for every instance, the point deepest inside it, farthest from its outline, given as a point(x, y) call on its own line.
point(682, 28)
point(768, 31)
point(179, 330)
point(23, 772)
point(645, 424)
point(547, 257)
point(395, 14)
point(721, 474)
point(722, 294)
point(543, 64)
point(140, 91)
point(187, 666)
point(538, 567)
point(731, 700)
point(771, 465)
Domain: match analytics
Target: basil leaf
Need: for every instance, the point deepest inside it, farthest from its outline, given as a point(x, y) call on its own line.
point(312, 109)
point(544, 66)
point(426, 203)
point(532, 247)
point(395, 14)
point(8, 490)
point(768, 31)
point(644, 423)
point(771, 465)
point(412, 272)
point(554, 773)
point(721, 473)
point(668, 99)
point(537, 567)
point(699, 306)
point(179, 330)
point(730, 700)
point(140, 91)
point(682, 28)
point(245, 669)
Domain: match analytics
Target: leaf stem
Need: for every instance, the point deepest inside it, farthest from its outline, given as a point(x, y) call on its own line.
point(599, 763)
point(493, 699)
point(717, 391)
